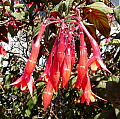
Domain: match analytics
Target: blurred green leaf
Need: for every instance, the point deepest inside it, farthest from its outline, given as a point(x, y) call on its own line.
point(113, 92)
point(28, 112)
point(19, 5)
point(117, 112)
point(101, 6)
point(114, 42)
point(18, 15)
point(36, 30)
point(109, 114)
point(32, 102)
point(117, 13)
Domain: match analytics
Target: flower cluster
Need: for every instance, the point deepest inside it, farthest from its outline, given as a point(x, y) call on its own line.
point(62, 59)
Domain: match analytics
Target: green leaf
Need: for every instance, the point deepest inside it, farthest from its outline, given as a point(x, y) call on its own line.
point(117, 112)
point(7, 8)
point(62, 10)
point(100, 89)
point(113, 92)
point(117, 13)
point(114, 78)
point(20, 15)
point(36, 30)
point(68, 4)
point(109, 114)
point(19, 5)
point(28, 112)
point(99, 19)
point(7, 79)
point(101, 6)
point(114, 42)
point(32, 102)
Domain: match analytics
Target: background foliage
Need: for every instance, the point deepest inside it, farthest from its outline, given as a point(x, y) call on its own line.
point(21, 23)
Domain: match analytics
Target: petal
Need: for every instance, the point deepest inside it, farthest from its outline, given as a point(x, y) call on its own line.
point(29, 80)
point(17, 82)
point(47, 95)
point(102, 65)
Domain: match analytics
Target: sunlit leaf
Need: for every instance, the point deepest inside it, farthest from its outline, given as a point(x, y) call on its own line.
point(117, 13)
point(68, 3)
point(98, 18)
point(32, 102)
point(36, 30)
point(117, 112)
point(20, 15)
point(101, 6)
point(19, 5)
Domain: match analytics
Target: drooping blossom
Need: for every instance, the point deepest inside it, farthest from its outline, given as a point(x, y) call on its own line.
point(87, 95)
point(47, 94)
point(26, 80)
point(83, 81)
point(67, 64)
point(96, 58)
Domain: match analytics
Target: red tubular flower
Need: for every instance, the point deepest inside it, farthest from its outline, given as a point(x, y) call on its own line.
point(46, 73)
point(61, 48)
point(31, 63)
point(83, 81)
point(66, 71)
point(2, 51)
point(55, 73)
point(61, 44)
point(96, 58)
point(72, 54)
point(87, 95)
point(67, 64)
point(26, 79)
point(82, 60)
point(24, 82)
point(13, 24)
point(47, 95)
point(81, 66)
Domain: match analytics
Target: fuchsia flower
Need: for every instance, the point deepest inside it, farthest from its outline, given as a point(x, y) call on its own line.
point(83, 82)
point(47, 94)
point(61, 61)
point(96, 58)
point(26, 80)
point(67, 64)
point(87, 95)
point(55, 73)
